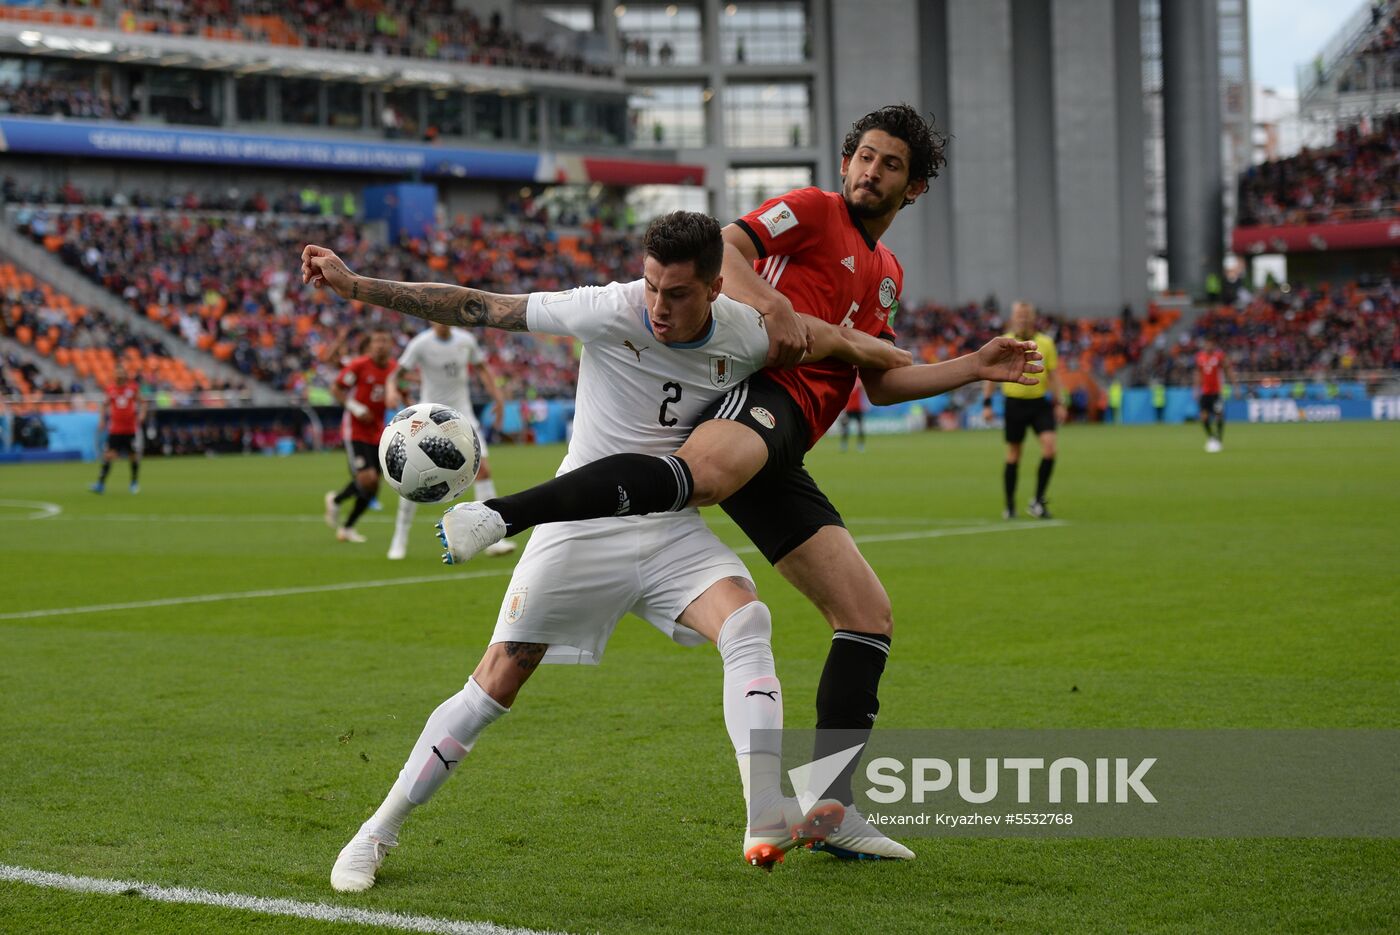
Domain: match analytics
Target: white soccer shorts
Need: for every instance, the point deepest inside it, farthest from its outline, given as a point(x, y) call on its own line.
point(575, 581)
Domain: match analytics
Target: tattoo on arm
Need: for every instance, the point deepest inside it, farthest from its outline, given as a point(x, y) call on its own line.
point(526, 655)
point(450, 305)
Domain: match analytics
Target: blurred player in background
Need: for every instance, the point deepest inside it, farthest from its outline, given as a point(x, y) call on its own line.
point(1210, 365)
point(123, 412)
point(856, 407)
point(1036, 406)
point(361, 388)
point(443, 357)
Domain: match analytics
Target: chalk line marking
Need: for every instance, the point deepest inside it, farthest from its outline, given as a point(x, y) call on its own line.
point(39, 509)
point(320, 912)
point(745, 549)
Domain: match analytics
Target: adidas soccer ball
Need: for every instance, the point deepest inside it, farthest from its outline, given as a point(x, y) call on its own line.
point(430, 453)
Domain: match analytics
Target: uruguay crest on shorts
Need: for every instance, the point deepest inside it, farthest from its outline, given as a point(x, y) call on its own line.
point(721, 371)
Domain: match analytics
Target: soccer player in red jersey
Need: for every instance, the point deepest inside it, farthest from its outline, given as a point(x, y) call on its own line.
point(817, 252)
point(856, 406)
point(1210, 365)
point(123, 411)
point(361, 388)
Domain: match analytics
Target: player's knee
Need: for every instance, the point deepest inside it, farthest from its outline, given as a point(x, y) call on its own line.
point(1048, 447)
point(867, 613)
point(747, 633)
point(708, 484)
point(1013, 454)
point(367, 482)
point(485, 472)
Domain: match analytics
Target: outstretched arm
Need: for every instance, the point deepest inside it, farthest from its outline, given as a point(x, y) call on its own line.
point(451, 305)
point(1003, 360)
point(854, 347)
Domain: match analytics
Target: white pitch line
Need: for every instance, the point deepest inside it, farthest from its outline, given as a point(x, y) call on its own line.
point(429, 579)
point(245, 595)
point(320, 912)
point(42, 509)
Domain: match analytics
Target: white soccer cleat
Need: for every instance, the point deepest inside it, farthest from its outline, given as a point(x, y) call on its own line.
point(345, 534)
point(398, 550)
point(858, 839)
point(496, 549)
point(1212, 446)
point(332, 510)
point(767, 839)
point(359, 861)
point(467, 529)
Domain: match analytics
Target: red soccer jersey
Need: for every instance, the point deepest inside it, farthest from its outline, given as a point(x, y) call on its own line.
point(815, 252)
point(856, 402)
point(365, 380)
point(1209, 364)
point(123, 401)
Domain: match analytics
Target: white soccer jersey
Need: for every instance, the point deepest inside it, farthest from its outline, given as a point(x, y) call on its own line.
point(636, 394)
point(444, 367)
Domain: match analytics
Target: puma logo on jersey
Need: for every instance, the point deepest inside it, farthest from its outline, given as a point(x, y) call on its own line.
point(850, 263)
point(635, 350)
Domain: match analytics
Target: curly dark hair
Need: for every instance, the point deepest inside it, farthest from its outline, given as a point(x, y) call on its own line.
point(687, 235)
point(926, 143)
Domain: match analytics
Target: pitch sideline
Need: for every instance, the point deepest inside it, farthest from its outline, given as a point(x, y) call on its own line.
point(319, 912)
point(428, 579)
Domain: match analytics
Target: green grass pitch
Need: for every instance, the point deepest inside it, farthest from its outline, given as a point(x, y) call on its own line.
point(235, 744)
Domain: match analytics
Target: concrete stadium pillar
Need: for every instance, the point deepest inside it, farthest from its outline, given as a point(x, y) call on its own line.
point(1191, 125)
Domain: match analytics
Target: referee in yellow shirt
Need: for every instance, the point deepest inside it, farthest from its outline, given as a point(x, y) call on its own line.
point(1036, 407)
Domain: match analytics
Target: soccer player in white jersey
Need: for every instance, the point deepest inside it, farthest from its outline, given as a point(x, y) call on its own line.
point(656, 353)
point(443, 357)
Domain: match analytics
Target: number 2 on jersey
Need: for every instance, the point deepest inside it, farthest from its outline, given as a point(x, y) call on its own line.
point(673, 391)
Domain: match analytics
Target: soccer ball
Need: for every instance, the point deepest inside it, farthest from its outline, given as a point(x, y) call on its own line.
point(430, 453)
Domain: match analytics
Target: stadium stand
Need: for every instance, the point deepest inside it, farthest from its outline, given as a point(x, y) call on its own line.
point(427, 29)
point(86, 342)
point(223, 283)
point(1328, 330)
point(62, 99)
point(1356, 178)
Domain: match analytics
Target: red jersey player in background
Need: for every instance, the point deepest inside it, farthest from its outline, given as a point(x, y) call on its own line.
point(817, 252)
point(1210, 365)
point(123, 411)
point(361, 388)
point(856, 406)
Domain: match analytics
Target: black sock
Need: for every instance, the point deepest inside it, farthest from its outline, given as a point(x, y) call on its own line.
point(135, 469)
point(1042, 477)
point(618, 485)
point(1008, 483)
point(361, 504)
point(848, 700)
point(106, 469)
point(1220, 428)
point(350, 490)
point(1205, 423)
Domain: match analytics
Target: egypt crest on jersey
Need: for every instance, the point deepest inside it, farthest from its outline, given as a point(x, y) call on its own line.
point(636, 394)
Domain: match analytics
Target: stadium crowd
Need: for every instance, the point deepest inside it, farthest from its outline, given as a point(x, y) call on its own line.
point(1357, 177)
point(1324, 330)
point(430, 29)
point(223, 284)
point(61, 99)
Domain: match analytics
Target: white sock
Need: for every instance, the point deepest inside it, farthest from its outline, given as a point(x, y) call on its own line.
point(485, 490)
point(404, 521)
point(450, 732)
point(753, 701)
